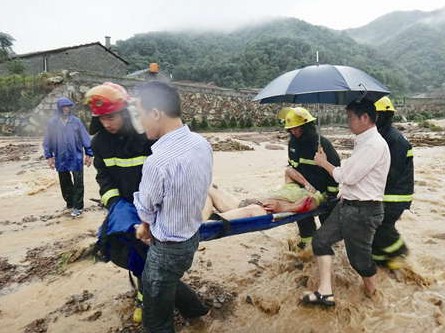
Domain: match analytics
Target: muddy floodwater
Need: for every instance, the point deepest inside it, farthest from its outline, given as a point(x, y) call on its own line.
point(49, 281)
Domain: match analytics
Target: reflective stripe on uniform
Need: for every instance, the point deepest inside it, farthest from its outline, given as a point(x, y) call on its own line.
point(332, 188)
point(306, 161)
point(114, 192)
point(306, 240)
point(376, 257)
point(398, 197)
point(293, 163)
point(125, 162)
point(394, 247)
point(409, 153)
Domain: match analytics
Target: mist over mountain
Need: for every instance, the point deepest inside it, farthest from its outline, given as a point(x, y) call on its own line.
point(389, 26)
point(253, 55)
point(414, 40)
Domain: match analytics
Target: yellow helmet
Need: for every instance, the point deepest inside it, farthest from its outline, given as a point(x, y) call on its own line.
point(384, 104)
point(294, 117)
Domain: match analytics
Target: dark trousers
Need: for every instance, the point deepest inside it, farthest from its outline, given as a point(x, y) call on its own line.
point(166, 263)
point(387, 241)
point(71, 184)
point(307, 226)
point(356, 223)
point(186, 301)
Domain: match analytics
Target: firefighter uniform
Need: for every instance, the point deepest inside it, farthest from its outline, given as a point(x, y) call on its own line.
point(301, 158)
point(119, 160)
point(301, 152)
point(119, 157)
point(388, 244)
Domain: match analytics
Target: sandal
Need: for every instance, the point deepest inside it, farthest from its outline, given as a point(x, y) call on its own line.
point(319, 299)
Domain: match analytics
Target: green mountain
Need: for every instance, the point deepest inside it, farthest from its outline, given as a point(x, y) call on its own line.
point(254, 55)
point(416, 42)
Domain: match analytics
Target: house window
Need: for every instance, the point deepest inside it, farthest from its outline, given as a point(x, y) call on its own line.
point(45, 64)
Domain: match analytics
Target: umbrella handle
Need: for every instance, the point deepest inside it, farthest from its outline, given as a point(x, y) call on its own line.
point(319, 126)
point(365, 91)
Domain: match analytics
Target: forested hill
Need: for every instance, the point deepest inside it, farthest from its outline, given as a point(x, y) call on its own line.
point(416, 42)
point(252, 56)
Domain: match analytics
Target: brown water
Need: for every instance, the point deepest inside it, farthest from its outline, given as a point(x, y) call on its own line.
point(48, 283)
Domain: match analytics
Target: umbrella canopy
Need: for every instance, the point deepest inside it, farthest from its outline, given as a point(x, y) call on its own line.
point(325, 84)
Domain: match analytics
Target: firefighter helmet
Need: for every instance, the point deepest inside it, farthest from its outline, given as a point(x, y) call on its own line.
point(384, 104)
point(294, 117)
point(106, 98)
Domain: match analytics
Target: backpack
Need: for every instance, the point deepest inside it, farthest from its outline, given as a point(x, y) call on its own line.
point(116, 241)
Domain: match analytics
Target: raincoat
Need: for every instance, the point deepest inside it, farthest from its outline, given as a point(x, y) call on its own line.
point(66, 141)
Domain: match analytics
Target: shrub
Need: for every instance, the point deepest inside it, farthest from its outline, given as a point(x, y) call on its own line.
point(223, 124)
point(265, 122)
point(15, 67)
point(22, 92)
point(232, 122)
point(248, 122)
point(204, 124)
point(194, 124)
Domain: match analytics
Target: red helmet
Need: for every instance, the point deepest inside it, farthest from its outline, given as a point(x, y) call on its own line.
point(106, 98)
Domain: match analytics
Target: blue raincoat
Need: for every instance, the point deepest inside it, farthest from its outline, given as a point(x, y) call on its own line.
point(66, 141)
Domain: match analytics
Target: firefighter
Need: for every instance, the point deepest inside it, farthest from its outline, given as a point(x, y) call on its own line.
point(303, 145)
point(120, 149)
point(388, 248)
point(120, 152)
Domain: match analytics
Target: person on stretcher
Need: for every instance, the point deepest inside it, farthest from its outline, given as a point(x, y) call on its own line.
point(288, 198)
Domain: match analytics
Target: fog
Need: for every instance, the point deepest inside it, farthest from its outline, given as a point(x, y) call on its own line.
point(46, 24)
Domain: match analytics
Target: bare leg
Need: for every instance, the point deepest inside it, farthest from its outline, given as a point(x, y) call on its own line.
point(248, 211)
point(221, 200)
point(323, 296)
point(370, 285)
point(325, 267)
point(208, 209)
point(277, 206)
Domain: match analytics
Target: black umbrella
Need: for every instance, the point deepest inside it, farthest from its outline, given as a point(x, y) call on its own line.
point(325, 84)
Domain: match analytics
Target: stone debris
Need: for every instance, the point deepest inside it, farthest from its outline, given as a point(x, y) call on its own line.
point(229, 145)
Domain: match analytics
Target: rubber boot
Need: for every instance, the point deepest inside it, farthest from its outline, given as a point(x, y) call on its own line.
point(137, 314)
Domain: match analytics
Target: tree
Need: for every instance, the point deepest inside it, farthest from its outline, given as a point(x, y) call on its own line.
point(253, 56)
point(15, 67)
point(6, 42)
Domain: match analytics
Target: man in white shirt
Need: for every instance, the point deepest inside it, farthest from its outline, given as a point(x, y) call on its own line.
point(362, 179)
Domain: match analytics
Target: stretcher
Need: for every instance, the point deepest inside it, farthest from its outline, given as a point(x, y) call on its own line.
point(117, 242)
point(211, 230)
point(123, 217)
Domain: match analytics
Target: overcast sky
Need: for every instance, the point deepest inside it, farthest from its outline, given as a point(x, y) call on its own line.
point(40, 25)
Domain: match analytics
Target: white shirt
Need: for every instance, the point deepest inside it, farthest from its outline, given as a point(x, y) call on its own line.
point(363, 175)
point(174, 185)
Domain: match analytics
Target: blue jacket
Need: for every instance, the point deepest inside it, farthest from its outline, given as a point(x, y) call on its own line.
point(66, 141)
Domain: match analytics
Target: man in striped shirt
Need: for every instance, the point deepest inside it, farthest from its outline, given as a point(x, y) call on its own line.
point(171, 196)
